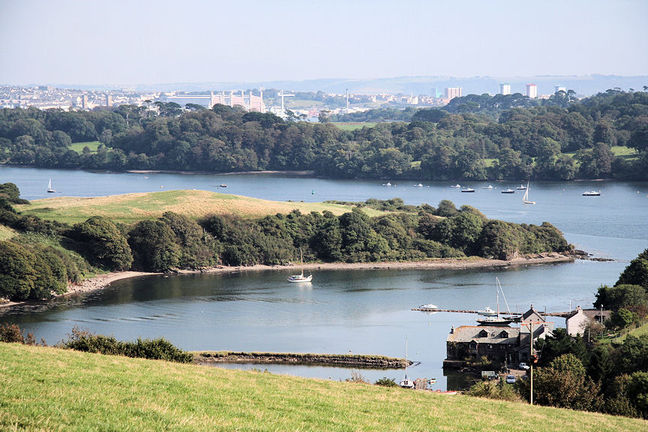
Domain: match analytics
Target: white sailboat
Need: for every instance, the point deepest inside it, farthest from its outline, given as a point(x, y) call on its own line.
point(406, 383)
point(525, 198)
point(493, 318)
point(50, 189)
point(300, 277)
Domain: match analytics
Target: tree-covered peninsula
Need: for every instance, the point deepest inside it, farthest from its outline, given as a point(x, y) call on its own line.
point(41, 255)
point(474, 138)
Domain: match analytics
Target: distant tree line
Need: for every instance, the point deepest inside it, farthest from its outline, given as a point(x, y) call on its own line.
point(46, 255)
point(550, 141)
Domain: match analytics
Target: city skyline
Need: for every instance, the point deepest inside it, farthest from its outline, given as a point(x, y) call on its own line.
point(92, 43)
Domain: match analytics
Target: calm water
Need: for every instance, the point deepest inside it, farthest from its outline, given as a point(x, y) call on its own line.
point(345, 311)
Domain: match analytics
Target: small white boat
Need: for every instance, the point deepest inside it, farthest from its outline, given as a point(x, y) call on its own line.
point(457, 186)
point(222, 185)
point(508, 191)
point(429, 306)
point(521, 187)
point(388, 184)
point(467, 190)
point(525, 198)
point(487, 311)
point(488, 187)
point(50, 189)
point(300, 278)
point(406, 383)
point(592, 193)
point(418, 185)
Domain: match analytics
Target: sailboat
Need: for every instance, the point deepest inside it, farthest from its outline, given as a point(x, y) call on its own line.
point(494, 319)
point(406, 383)
point(50, 189)
point(300, 277)
point(525, 198)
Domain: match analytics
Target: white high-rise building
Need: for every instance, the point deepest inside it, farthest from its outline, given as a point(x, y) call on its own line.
point(452, 92)
point(505, 89)
point(532, 91)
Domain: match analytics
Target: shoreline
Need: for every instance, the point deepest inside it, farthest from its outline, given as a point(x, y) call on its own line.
point(102, 281)
point(300, 173)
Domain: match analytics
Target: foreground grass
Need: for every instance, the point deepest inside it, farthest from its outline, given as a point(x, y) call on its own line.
point(51, 389)
point(78, 147)
point(131, 208)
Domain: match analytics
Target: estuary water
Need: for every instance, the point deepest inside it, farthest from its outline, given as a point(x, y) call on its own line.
point(360, 311)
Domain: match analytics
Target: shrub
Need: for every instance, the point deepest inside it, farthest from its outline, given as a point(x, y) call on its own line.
point(157, 349)
point(386, 382)
point(494, 390)
point(101, 242)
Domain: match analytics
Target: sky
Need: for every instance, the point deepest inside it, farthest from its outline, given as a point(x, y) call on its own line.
point(146, 42)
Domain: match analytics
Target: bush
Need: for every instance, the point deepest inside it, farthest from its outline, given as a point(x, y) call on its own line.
point(494, 390)
point(157, 349)
point(386, 382)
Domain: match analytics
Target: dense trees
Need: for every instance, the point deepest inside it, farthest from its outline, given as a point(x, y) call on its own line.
point(474, 138)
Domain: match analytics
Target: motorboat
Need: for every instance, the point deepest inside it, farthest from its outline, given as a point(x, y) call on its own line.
point(508, 191)
point(467, 190)
point(428, 306)
point(457, 186)
point(592, 193)
point(521, 187)
point(487, 311)
point(388, 184)
point(418, 185)
point(223, 185)
point(488, 187)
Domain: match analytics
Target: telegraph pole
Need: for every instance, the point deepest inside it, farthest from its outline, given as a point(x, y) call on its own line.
point(531, 359)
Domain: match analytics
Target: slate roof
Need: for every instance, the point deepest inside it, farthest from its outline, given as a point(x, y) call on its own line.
point(485, 335)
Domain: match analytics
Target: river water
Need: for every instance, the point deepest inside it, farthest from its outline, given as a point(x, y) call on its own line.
point(357, 311)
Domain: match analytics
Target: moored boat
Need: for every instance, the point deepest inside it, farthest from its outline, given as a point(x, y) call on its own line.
point(50, 189)
point(508, 191)
point(467, 190)
point(592, 193)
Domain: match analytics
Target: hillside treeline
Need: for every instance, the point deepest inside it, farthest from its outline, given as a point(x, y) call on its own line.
point(46, 255)
point(544, 142)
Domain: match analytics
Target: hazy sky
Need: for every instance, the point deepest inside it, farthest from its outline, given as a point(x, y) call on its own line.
point(129, 42)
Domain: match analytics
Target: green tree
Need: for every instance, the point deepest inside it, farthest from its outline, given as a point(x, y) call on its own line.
point(636, 273)
point(17, 273)
point(99, 240)
point(154, 246)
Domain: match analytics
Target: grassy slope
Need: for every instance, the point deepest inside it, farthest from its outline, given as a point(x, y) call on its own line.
point(78, 147)
point(130, 208)
point(6, 232)
point(50, 389)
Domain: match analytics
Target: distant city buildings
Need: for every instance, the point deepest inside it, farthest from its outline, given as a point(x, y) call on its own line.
point(452, 92)
point(560, 88)
point(505, 89)
point(532, 91)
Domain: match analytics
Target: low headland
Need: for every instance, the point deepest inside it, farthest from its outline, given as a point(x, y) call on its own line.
point(364, 361)
point(70, 245)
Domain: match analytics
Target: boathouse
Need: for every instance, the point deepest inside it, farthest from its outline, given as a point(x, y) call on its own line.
point(501, 344)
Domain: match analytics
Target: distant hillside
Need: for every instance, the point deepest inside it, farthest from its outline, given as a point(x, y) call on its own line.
point(52, 389)
point(130, 208)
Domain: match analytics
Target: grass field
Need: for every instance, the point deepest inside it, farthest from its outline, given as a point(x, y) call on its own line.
point(78, 147)
point(51, 389)
point(351, 126)
point(624, 152)
point(6, 232)
point(130, 208)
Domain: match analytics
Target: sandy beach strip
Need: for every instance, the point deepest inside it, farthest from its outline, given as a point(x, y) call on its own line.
point(103, 280)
